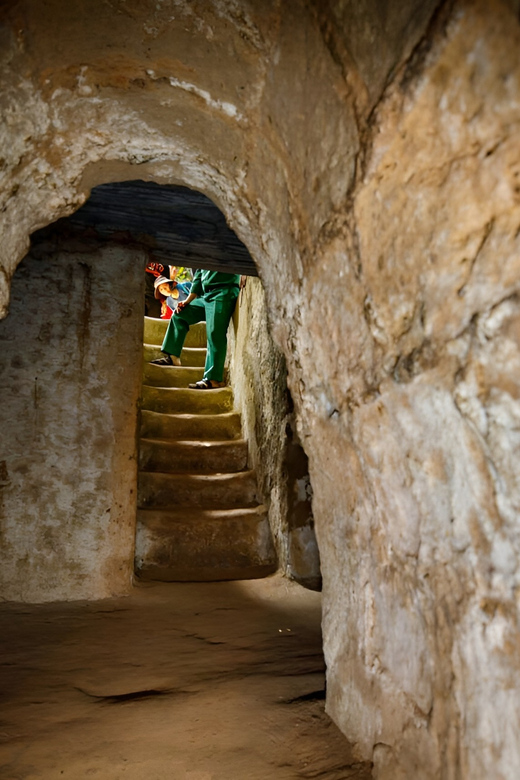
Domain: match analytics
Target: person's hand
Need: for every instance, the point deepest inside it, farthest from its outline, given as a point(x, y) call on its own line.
point(191, 297)
point(182, 304)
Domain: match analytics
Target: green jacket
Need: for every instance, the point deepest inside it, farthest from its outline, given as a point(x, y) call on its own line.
point(210, 281)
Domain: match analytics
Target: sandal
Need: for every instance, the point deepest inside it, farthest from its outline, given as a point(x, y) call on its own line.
point(167, 360)
point(206, 384)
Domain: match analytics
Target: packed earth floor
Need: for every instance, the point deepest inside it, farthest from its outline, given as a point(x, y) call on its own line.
point(211, 681)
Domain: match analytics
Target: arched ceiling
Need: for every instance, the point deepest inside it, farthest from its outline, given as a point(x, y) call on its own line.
point(177, 225)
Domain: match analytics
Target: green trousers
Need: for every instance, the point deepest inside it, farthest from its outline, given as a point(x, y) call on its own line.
point(216, 308)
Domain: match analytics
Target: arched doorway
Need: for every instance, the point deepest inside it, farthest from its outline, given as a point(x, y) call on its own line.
point(83, 373)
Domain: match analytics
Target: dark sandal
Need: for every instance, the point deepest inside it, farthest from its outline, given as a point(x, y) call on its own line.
point(204, 384)
point(162, 361)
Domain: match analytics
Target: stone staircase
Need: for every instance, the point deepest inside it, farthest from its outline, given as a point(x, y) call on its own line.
point(198, 516)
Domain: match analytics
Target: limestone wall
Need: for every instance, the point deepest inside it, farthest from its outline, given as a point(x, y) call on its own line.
point(413, 416)
point(70, 365)
point(258, 375)
point(368, 156)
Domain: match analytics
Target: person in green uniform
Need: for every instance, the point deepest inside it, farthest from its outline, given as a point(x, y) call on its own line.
point(212, 298)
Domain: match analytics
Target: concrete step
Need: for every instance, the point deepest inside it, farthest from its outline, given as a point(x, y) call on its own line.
point(190, 356)
point(174, 400)
point(154, 331)
point(208, 491)
point(157, 376)
point(197, 457)
point(155, 425)
point(204, 545)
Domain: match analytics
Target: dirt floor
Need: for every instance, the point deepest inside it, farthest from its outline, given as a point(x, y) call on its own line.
point(213, 681)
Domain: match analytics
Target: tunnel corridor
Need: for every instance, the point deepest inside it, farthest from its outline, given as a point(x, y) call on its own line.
point(366, 157)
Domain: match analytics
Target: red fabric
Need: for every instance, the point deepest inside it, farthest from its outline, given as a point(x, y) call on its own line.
point(157, 269)
point(168, 314)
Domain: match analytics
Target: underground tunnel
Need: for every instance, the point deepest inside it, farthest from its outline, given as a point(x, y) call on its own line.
point(368, 158)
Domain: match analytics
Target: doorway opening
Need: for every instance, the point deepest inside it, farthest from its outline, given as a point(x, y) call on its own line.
point(80, 387)
point(87, 344)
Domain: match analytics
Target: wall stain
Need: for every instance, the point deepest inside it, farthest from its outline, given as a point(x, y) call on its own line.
point(85, 313)
point(36, 393)
point(4, 474)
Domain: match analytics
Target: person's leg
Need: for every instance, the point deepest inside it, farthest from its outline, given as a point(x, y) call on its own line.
point(218, 314)
point(177, 331)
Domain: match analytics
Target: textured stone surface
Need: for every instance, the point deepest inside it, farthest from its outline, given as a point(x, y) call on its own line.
point(191, 426)
point(176, 682)
point(412, 418)
point(259, 377)
point(70, 358)
point(194, 545)
point(197, 457)
point(385, 229)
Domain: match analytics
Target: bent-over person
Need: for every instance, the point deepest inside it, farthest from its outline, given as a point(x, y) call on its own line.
point(212, 299)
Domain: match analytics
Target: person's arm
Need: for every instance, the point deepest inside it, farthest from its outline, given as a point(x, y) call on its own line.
point(189, 299)
point(196, 290)
point(196, 285)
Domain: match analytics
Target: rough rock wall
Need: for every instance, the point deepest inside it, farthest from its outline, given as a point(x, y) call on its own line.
point(385, 231)
point(413, 415)
point(70, 362)
point(259, 377)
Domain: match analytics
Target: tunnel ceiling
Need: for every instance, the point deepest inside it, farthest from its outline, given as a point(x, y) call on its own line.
point(178, 225)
